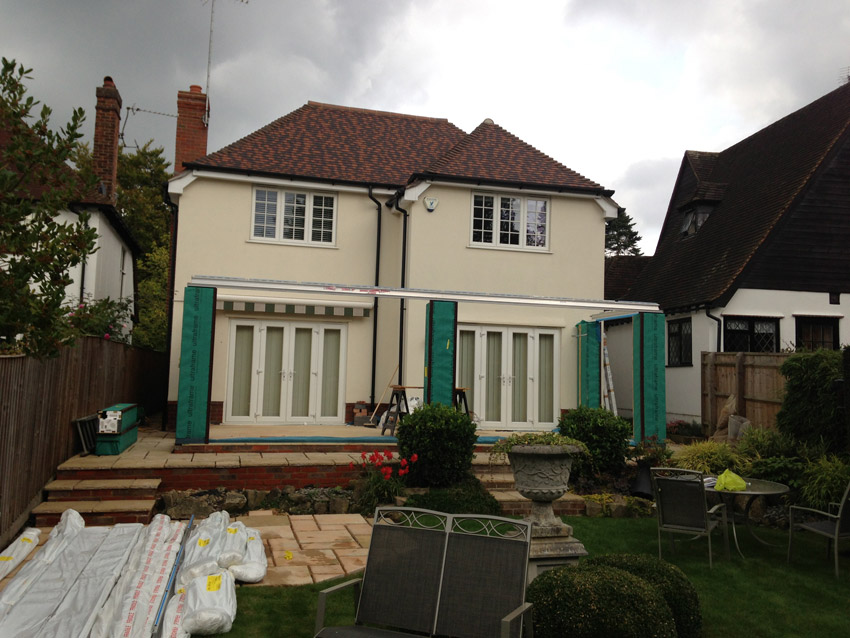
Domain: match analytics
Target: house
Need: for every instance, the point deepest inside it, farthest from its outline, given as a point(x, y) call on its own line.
point(753, 254)
point(109, 271)
point(383, 212)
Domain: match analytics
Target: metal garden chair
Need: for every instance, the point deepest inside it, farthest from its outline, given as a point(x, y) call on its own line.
point(834, 524)
point(682, 508)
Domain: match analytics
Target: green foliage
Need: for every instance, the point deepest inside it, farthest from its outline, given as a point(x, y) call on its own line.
point(444, 440)
point(652, 451)
point(503, 446)
point(587, 602)
point(781, 469)
point(141, 176)
point(764, 442)
point(620, 236)
point(382, 479)
point(824, 481)
point(104, 318)
point(811, 408)
point(468, 497)
point(606, 436)
point(37, 250)
point(709, 457)
point(669, 580)
point(151, 331)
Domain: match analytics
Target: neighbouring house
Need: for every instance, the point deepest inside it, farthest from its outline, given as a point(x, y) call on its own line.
point(410, 208)
point(753, 255)
point(110, 270)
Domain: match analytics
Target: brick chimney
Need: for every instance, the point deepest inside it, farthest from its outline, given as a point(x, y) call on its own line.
point(191, 127)
point(106, 129)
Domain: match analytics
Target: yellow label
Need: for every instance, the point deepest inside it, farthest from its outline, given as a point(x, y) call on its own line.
point(26, 540)
point(287, 555)
point(180, 591)
point(232, 530)
point(214, 582)
point(250, 538)
point(5, 558)
point(203, 542)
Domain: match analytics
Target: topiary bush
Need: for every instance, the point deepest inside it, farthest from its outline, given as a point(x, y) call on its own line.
point(443, 440)
point(604, 433)
point(593, 601)
point(709, 457)
point(811, 408)
point(824, 481)
point(669, 580)
point(468, 497)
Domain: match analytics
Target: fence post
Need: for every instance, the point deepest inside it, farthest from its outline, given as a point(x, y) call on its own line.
point(710, 415)
point(740, 385)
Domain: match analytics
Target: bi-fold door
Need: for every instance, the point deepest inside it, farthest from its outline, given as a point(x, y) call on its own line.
point(285, 372)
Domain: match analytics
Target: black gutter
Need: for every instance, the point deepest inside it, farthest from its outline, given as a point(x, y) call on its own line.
point(393, 203)
point(170, 296)
point(719, 345)
point(378, 207)
point(85, 260)
point(477, 181)
point(317, 179)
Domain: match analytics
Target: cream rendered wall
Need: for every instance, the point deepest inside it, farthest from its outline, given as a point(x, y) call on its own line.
point(440, 257)
point(684, 383)
point(214, 238)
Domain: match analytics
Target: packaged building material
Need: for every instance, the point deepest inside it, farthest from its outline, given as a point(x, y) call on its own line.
point(203, 546)
point(172, 623)
point(210, 604)
point(253, 567)
point(18, 550)
point(232, 550)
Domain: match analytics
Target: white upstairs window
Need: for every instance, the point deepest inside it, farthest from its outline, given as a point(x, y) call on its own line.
point(306, 218)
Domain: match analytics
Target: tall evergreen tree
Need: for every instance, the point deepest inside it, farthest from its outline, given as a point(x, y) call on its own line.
point(620, 236)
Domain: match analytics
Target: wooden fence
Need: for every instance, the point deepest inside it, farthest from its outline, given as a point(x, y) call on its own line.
point(40, 399)
point(753, 378)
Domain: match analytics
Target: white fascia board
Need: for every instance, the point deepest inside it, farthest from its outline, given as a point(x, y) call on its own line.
point(413, 193)
point(178, 183)
point(609, 208)
point(288, 183)
point(272, 285)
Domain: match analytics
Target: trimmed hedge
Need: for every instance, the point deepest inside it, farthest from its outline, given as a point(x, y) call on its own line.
point(593, 601)
point(606, 436)
point(468, 497)
point(671, 582)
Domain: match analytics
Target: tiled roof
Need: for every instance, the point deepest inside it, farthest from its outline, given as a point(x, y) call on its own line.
point(620, 273)
point(492, 154)
point(358, 146)
point(339, 144)
point(757, 180)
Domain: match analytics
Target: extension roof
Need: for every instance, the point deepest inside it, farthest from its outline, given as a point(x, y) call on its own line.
point(750, 187)
point(343, 145)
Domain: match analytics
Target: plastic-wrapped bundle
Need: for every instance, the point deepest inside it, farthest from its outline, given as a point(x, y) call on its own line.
point(210, 604)
point(202, 547)
point(232, 550)
point(253, 567)
point(172, 622)
point(18, 550)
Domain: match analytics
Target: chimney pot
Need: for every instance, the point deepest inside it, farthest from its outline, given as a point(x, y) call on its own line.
point(195, 88)
point(107, 81)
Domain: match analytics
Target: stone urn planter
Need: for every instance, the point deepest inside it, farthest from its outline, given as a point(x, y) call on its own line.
point(542, 474)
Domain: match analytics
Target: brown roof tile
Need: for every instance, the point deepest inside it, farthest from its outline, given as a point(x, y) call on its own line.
point(621, 271)
point(758, 180)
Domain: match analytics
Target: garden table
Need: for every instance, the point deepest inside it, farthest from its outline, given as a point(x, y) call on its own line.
point(755, 488)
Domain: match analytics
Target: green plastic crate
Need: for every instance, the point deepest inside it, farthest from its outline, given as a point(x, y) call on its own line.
point(127, 431)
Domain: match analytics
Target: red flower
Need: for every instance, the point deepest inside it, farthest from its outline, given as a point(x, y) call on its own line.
point(404, 462)
point(414, 458)
point(389, 454)
point(351, 465)
point(363, 455)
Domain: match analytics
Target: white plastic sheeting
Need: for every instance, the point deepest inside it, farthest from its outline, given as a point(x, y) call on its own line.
point(253, 567)
point(210, 604)
point(172, 623)
point(132, 608)
point(75, 616)
point(232, 550)
point(18, 550)
point(203, 547)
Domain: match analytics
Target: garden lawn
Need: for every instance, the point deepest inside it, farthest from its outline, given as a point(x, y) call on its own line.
point(753, 597)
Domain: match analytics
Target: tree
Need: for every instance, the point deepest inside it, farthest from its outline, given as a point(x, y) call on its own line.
point(620, 236)
point(37, 250)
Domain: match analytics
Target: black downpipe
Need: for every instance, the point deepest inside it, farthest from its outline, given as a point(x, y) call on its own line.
point(403, 285)
point(170, 293)
point(378, 206)
point(83, 265)
point(719, 344)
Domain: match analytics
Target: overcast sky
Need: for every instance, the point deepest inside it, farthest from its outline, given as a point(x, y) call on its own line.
point(617, 90)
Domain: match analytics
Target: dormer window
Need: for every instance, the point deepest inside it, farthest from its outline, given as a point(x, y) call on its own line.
point(693, 217)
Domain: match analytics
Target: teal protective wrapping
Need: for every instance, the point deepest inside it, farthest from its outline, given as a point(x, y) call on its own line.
point(440, 346)
point(196, 349)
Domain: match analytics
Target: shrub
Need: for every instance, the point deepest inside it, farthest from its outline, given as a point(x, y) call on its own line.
point(811, 407)
point(587, 602)
point(765, 442)
point(709, 457)
point(104, 318)
point(781, 469)
point(824, 481)
point(669, 580)
point(444, 440)
point(382, 479)
point(604, 433)
point(468, 497)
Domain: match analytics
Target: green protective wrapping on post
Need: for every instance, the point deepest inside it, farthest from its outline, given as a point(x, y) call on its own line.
point(196, 349)
point(589, 390)
point(650, 387)
point(440, 346)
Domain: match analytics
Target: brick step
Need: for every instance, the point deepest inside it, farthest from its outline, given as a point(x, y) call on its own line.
point(513, 504)
point(48, 513)
point(105, 489)
point(495, 479)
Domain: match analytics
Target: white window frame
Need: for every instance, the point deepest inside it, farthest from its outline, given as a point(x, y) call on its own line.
point(505, 201)
point(316, 212)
